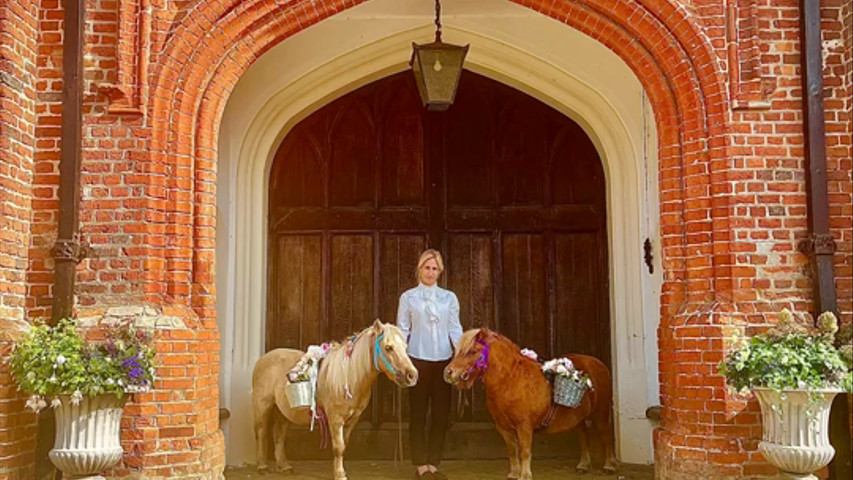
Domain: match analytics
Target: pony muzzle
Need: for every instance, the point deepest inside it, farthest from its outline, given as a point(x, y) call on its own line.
point(406, 378)
point(449, 376)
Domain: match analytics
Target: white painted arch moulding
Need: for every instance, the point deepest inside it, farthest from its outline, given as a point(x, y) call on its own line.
point(631, 198)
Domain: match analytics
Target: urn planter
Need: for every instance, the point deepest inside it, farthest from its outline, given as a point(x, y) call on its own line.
point(795, 435)
point(87, 436)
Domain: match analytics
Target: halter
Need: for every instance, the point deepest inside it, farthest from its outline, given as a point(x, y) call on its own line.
point(482, 363)
point(378, 353)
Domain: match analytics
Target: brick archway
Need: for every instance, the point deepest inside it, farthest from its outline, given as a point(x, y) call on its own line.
point(211, 47)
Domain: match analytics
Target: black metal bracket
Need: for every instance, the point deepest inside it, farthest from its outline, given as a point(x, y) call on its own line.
point(74, 250)
point(818, 244)
point(647, 248)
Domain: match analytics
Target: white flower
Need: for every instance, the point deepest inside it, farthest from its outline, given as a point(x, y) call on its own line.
point(55, 403)
point(137, 389)
point(316, 351)
point(76, 397)
point(35, 403)
point(110, 381)
point(60, 359)
point(120, 382)
point(529, 353)
point(52, 379)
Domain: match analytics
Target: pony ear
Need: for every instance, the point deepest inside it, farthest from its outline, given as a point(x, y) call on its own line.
point(377, 326)
point(484, 334)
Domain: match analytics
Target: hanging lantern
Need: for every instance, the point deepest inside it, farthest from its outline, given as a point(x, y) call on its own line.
point(437, 67)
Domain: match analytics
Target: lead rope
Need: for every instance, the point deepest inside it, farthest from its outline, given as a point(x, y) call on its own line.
point(399, 429)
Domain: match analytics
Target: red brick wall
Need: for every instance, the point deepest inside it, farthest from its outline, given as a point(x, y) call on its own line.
point(722, 76)
point(841, 185)
point(17, 119)
point(46, 159)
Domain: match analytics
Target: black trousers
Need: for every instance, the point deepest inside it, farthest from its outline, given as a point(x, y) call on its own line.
point(434, 394)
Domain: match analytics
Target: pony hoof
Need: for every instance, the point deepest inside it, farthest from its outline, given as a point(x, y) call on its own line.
point(263, 468)
point(609, 469)
point(285, 469)
point(581, 470)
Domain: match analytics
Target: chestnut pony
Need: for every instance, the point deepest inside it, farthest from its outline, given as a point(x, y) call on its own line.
point(518, 397)
point(343, 389)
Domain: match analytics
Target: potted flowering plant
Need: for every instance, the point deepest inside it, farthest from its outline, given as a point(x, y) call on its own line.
point(795, 372)
point(86, 382)
point(570, 384)
point(303, 377)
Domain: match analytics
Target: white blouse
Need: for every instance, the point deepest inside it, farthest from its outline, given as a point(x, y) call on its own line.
point(429, 319)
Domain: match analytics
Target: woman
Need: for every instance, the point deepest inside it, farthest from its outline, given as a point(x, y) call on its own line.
point(428, 315)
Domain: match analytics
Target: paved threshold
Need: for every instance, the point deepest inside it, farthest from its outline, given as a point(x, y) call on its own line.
point(454, 469)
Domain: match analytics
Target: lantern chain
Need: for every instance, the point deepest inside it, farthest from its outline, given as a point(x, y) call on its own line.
point(438, 21)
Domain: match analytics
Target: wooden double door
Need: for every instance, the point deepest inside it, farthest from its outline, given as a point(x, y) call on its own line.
point(510, 190)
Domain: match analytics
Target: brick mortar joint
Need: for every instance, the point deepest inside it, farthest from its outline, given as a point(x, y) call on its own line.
point(141, 316)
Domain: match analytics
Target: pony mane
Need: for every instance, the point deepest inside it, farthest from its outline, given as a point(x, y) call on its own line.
point(342, 370)
point(469, 338)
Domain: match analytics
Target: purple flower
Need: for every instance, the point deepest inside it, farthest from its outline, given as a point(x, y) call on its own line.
point(135, 373)
point(131, 362)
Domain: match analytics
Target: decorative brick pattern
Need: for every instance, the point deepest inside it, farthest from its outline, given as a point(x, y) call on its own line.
point(723, 78)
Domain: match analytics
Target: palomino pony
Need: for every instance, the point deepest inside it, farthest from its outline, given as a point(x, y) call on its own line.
point(518, 397)
point(343, 389)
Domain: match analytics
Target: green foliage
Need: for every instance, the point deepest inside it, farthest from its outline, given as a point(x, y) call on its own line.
point(789, 357)
point(52, 361)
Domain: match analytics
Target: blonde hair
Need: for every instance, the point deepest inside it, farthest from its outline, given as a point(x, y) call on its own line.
point(429, 253)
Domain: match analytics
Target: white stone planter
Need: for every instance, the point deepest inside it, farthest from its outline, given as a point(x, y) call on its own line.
point(87, 436)
point(796, 431)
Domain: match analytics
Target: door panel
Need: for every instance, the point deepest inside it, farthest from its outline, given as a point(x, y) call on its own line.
point(354, 151)
point(297, 301)
point(580, 281)
point(524, 298)
point(469, 275)
point(521, 153)
point(467, 138)
point(402, 145)
point(351, 292)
